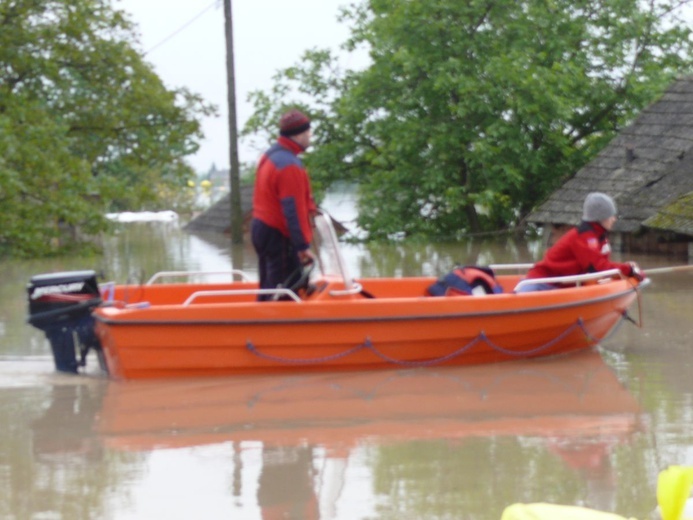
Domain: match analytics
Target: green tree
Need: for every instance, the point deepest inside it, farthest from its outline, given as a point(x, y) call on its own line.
point(470, 113)
point(86, 126)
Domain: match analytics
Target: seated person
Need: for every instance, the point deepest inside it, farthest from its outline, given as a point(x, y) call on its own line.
point(583, 249)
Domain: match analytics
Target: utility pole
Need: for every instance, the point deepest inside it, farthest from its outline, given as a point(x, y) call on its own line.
point(234, 168)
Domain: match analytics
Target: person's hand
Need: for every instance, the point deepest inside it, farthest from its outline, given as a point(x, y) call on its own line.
point(306, 257)
point(636, 272)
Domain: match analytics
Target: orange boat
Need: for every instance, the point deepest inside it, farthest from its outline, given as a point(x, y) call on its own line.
point(549, 398)
point(158, 330)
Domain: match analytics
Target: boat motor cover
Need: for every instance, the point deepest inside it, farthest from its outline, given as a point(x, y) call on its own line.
point(57, 296)
point(466, 280)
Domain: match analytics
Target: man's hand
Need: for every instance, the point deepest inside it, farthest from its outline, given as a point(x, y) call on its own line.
point(306, 256)
point(636, 272)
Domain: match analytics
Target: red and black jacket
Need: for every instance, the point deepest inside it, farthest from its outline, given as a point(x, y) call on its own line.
point(283, 198)
point(583, 249)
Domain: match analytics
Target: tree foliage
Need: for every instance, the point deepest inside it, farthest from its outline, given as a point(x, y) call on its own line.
point(86, 126)
point(470, 113)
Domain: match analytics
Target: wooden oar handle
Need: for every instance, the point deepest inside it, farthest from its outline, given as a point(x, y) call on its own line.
point(672, 269)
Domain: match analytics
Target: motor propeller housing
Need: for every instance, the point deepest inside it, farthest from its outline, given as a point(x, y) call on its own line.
point(60, 304)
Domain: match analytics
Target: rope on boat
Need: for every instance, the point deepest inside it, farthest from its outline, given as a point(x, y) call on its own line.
point(545, 346)
point(303, 361)
point(428, 362)
point(482, 337)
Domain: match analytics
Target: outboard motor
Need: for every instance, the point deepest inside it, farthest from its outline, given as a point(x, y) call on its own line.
point(60, 304)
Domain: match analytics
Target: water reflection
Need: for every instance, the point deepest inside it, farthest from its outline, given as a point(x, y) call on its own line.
point(342, 410)
point(285, 486)
point(66, 425)
point(305, 446)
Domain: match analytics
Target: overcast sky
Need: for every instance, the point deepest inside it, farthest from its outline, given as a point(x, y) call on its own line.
point(184, 41)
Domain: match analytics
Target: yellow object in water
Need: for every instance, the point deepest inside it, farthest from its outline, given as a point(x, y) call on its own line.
point(542, 511)
point(673, 489)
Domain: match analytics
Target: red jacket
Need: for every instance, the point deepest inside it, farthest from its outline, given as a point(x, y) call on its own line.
point(583, 249)
point(283, 198)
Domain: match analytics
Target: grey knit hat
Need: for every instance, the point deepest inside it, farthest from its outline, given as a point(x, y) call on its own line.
point(598, 207)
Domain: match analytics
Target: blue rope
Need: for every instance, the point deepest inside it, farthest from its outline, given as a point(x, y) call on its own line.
point(624, 317)
point(579, 324)
point(430, 362)
point(307, 361)
point(545, 346)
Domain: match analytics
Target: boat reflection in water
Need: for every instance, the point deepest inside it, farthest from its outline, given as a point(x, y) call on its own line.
point(294, 444)
point(574, 405)
point(567, 396)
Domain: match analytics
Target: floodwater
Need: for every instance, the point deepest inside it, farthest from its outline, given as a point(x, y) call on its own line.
point(592, 429)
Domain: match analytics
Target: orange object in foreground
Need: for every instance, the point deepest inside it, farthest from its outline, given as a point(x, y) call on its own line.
point(172, 330)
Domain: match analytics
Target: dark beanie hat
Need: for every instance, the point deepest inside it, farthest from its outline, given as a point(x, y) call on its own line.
point(598, 207)
point(293, 122)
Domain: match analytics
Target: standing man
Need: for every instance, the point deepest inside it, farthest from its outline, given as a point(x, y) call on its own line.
point(283, 204)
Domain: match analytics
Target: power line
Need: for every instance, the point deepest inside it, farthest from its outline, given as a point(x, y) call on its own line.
point(186, 24)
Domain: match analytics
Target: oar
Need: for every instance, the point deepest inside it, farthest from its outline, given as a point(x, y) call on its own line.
point(664, 270)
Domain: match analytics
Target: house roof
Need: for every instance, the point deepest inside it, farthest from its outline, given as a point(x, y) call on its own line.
point(218, 216)
point(677, 216)
point(647, 168)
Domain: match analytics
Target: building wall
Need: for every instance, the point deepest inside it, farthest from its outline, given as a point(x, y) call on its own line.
point(658, 243)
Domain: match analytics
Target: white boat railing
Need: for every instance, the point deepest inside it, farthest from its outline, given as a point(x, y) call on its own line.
point(243, 292)
point(573, 279)
point(233, 272)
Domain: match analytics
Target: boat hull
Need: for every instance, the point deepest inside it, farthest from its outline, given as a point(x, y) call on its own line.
point(399, 326)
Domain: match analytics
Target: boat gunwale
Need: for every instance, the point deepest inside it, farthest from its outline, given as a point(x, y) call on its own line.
point(114, 321)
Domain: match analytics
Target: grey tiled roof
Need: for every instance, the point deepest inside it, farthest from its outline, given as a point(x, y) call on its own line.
point(218, 217)
point(646, 168)
point(677, 216)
